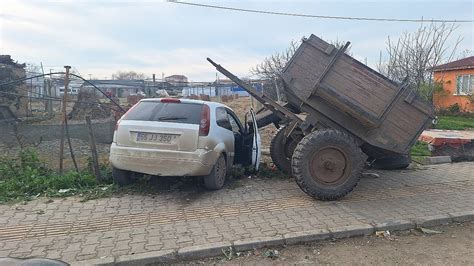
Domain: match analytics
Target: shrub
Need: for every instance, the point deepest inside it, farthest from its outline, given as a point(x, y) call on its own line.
point(455, 108)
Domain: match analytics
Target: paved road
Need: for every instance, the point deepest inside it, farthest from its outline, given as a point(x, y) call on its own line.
point(71, 230)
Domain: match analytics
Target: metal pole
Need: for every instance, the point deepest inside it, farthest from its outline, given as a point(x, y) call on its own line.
point(63, 119)
point(154, 86)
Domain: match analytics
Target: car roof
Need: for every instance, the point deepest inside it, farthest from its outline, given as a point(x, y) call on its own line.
point(184, 100)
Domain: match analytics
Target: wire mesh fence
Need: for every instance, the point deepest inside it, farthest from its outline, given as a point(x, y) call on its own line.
point(31, 115)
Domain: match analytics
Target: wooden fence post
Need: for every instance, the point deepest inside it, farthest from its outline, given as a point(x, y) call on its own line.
point(63, 119)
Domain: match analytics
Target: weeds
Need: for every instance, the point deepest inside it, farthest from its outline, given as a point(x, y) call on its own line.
point(420, 149)
point(26, 178)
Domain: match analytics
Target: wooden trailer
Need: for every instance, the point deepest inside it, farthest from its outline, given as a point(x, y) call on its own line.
point(353, 114)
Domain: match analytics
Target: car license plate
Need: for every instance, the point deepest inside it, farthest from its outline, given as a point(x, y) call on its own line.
point(156, 137)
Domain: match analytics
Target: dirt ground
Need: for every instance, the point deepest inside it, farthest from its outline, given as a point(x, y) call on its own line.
point(453, 246)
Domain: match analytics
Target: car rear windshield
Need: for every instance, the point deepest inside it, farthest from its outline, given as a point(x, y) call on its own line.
point(187, 113)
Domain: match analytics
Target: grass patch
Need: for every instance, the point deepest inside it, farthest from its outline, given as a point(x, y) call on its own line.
point(454, 123)
point(420, 149)
point(26, 178)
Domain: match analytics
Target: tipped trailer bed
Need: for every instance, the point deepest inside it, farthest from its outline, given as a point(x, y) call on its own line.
point(352, 114)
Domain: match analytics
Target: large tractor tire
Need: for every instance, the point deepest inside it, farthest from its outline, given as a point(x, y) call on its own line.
point(282, 148)
point(327, 164)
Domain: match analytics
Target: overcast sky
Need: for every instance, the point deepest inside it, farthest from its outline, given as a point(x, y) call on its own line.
point(154, 36)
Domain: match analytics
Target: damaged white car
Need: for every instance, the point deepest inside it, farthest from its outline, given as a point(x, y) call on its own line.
point(182, 137)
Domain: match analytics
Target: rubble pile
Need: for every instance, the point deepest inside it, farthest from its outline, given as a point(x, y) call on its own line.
point(88, 104)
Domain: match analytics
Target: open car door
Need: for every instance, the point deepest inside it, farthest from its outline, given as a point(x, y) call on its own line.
point(256, 143)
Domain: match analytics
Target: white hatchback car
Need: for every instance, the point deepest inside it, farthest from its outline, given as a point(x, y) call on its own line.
point(182, 137)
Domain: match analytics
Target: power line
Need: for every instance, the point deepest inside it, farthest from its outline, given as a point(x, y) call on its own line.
point(319, 16)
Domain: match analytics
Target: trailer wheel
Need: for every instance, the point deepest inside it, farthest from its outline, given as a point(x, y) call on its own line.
point(281, 150)
point(327, 164)
point(394, 162)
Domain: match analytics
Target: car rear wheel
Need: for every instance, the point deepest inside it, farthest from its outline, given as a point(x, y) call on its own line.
point(216, 179)
point(121, 177)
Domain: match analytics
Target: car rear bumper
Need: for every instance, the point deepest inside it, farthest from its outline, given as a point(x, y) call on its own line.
point(163, 162)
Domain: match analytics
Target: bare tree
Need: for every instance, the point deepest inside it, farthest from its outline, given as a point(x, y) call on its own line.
point(128, 75)
point(32, 69)
point(415, 53)
point(274, 64)
point(465, 53)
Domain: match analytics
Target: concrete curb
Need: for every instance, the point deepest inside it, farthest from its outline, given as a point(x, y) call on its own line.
point(397, 225)
point(434, 220)
point(258, 242)
point(306, 236)
point(162, 256)
point(215, 249)
point(203, 251)
point(351, 231)
point(461, 217)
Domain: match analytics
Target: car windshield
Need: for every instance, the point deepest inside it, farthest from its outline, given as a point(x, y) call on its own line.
point(187, 113)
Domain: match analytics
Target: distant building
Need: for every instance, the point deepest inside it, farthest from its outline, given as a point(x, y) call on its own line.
point(118, 88)
point(72, 88)
point(457, 79)
point(177, 80)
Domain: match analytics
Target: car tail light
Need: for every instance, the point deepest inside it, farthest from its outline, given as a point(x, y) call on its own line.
point(205, 123)
point(170, 100)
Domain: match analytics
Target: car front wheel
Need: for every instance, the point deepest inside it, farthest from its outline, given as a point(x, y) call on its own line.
point(216, 179)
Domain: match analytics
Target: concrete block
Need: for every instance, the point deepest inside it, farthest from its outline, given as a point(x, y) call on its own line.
point(434, 220)
point(437, 160)
point(397, 225)
point(162, 256)
point(461, 217)
point(203, 251)
point(351, 230)
point(306, 236)
point(99, 262)
point(258, 242)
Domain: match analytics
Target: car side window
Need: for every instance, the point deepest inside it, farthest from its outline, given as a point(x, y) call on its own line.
point(233, 123)
point(222, 118)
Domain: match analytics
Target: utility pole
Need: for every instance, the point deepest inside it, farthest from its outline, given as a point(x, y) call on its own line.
point(63, 119)
point(162, 80)
point(47, 91)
